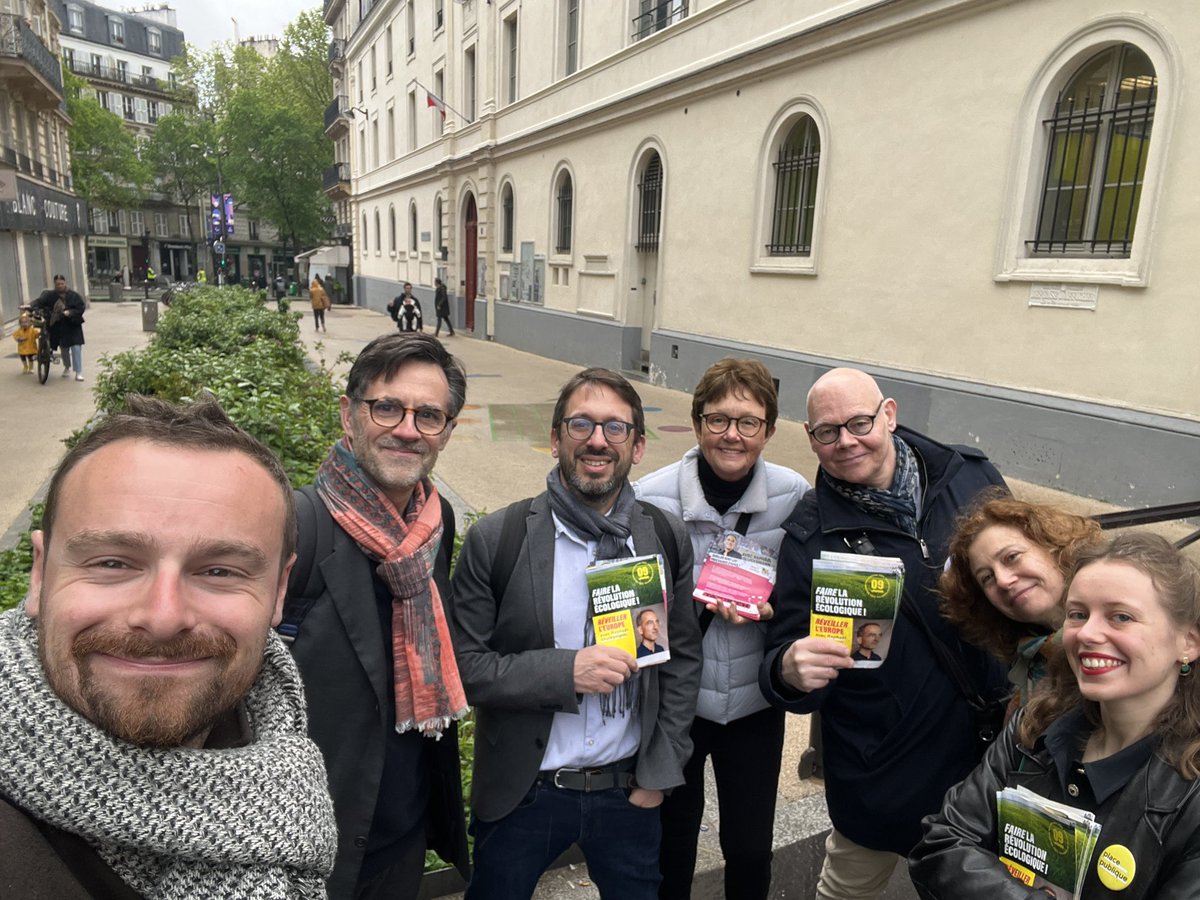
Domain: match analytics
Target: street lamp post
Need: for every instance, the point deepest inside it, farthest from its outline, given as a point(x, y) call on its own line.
point(221, 206)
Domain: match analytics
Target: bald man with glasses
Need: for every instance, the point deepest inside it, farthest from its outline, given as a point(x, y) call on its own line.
point(895, 737)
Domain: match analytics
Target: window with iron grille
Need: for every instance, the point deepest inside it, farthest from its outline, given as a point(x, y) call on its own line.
point(796, 168)
point(506, 219)
point(655, 15)
point(437, 226)
point(650, 216)
point(1099, 140)
point(563, 205)
point(378, 236)
point(413, 234)
point(391, 229)
point(364, 234)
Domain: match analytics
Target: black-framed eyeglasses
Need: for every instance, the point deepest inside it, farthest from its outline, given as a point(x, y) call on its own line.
point(857, 426)
point(581, 428)
point(747, 426)
point(429, 420)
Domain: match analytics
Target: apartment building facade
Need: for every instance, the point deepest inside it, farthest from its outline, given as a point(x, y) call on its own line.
point(42, 222)
point(986, 204)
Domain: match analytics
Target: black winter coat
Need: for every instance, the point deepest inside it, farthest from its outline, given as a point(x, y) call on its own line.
point(1157, 817)
point(340, 651)
point(896, 737)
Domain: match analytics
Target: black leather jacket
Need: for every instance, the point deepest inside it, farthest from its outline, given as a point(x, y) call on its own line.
point(1156, 816)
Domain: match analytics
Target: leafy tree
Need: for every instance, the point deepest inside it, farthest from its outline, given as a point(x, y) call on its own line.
point(179, 167)
point(105, 165)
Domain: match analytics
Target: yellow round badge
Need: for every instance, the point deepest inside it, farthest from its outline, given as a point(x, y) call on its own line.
point(1116, 867)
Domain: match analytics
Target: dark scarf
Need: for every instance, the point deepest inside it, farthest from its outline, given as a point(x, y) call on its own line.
point(898, 504)
point(611, 534)
point(429, 692)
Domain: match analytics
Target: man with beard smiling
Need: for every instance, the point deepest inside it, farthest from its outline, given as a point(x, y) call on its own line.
point(148, 714)
point(365, 609)
point(573, 743)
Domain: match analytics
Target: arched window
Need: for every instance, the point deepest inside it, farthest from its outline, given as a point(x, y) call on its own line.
point(797, 165)
point(563, 212)
point(506, 219)
point(391, 229)
point(412, 228)
point(378, 238)
point(1098, 142)
point(365, 235)
point(650, 204)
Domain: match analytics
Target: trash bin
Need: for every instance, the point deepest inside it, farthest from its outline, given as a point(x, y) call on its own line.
point(115, 292)
point(293, 289)
point(150, 314)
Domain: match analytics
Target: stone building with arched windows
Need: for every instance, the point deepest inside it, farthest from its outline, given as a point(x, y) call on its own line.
point(988, 205)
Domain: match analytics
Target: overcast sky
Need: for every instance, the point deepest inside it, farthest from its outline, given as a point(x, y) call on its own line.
point(206, 21)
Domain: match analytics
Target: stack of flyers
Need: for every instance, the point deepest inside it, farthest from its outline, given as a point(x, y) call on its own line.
point(737, 572)
point(1045, 844)
point(627, 607)
point(854, 601)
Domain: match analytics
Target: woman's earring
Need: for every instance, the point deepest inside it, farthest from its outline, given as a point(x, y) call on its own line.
point(1185, 667)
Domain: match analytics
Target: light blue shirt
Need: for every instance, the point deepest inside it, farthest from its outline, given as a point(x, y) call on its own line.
point(585, 738)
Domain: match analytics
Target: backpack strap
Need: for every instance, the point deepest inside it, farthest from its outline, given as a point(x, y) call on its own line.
point(512, 539)
point(314, 542)
point(665, 534)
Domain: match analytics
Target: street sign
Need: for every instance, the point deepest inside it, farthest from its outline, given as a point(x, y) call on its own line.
point(219, 247)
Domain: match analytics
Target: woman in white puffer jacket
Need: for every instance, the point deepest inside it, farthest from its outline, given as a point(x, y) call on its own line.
point(723, 485)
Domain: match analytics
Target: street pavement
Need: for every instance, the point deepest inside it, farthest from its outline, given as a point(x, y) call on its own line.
point(499, 452)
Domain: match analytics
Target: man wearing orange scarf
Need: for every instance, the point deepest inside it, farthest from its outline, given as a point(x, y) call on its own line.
point(373, 648)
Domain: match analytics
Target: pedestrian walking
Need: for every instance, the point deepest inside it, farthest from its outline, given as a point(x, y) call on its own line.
point(320, 302)
point(26, 335)
point(441, 306)
point(62, 309)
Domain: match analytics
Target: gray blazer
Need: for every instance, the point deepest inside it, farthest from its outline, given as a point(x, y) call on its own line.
point(517, 680)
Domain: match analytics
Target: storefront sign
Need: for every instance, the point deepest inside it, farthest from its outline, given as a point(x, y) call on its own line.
point(97, 240)
point(39, 208)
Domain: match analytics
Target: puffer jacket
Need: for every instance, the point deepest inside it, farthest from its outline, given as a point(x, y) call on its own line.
point(732, 653)
point(1156, 817)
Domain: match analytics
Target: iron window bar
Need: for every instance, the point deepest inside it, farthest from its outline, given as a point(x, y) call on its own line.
point(796, 170)
point(658, 15)
point(563, 244)
point(650, 217)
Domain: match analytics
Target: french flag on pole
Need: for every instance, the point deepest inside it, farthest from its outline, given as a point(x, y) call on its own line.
point(435, 102)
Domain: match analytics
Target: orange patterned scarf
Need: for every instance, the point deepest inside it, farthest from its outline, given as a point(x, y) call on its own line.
point(429, 692)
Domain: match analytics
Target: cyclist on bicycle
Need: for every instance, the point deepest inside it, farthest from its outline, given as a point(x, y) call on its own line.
point(62, 309)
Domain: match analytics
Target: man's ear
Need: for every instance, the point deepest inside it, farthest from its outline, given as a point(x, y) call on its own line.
point(281, 591)
point(33, 599)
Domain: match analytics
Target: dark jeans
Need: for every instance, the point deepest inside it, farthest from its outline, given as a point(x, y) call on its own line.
point(319, 318)
point(619, 842)
point(440, 320)
point(745, 755)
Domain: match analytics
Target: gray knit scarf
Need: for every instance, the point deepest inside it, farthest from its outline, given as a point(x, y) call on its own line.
point(242, 823)
point(611, 534)
point(897, 505)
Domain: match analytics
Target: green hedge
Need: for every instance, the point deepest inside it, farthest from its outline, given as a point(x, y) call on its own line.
point(249, 356)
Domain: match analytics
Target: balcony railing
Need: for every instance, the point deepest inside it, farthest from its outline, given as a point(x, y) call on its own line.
point(336, 174)
point(337, 108)
point(337, 50)
point(342, 230)
point(30, 166)
point(18, 40)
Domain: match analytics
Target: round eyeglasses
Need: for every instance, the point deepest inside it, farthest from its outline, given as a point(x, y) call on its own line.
point(581, 428)
point(718, 423)
point(857, 426)
point(385, 413)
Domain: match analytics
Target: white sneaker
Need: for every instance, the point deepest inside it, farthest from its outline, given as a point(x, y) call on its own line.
point(79, 378)
point(66, 373)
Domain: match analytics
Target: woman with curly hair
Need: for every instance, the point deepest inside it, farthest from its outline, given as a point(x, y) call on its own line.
point(1003, 583)
point(1116, 732)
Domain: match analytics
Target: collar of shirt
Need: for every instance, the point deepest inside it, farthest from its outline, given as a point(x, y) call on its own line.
point(1066, 739)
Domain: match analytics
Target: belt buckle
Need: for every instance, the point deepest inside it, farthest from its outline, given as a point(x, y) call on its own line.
point(558, 772)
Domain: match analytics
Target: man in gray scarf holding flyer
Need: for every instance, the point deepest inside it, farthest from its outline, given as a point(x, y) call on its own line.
point(574, 744)
point(152, 726)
